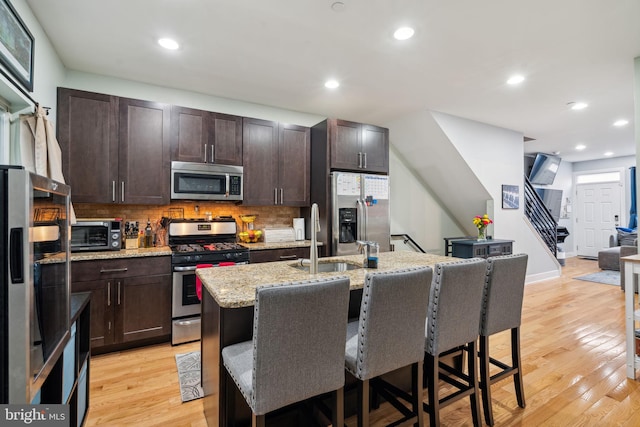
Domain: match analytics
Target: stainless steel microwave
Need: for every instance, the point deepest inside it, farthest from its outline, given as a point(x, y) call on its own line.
point(205, 181)
point(96, 234)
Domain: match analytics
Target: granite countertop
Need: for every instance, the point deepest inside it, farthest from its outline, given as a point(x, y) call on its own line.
point(260, 246)
point(124, 253)
point(165, 250)
point(234, 286)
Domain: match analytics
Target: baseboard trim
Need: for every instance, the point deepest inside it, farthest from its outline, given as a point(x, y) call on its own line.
point(539, 277)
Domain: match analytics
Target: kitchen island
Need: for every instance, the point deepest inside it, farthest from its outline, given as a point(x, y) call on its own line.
point(227, 316)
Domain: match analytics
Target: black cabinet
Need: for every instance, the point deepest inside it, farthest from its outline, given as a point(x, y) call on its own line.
point(276, 163)
point(131, 300)
point(205, 137)
point(481, 249)
point(280, 254)
point(114, 150)
point(354, 146)
point(68, 381)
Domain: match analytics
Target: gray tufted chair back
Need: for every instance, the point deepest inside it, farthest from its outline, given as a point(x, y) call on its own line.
point(503, 294)
point(453, 316)
point(391, 324)
point(298, 341)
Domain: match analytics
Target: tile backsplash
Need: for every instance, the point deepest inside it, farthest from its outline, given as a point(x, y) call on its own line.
point(267, 216)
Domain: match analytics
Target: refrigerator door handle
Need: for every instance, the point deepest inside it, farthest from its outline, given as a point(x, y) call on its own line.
point(16, 261)
point(360, 219)
point(365, 215)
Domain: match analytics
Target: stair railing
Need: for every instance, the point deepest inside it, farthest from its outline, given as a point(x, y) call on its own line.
point(540, 217)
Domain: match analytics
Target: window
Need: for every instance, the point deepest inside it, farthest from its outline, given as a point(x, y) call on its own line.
point(594, 178)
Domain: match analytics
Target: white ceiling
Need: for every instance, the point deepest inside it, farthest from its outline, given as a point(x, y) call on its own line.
point(280, 52)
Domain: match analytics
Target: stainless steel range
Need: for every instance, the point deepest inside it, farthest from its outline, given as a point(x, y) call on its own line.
point(194, 242)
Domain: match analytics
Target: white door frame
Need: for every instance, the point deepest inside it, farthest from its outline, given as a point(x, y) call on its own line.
point(624, 200)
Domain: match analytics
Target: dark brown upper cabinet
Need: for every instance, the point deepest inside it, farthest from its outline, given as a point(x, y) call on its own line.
point(144, 163)
point(88, 136)
point(276, 163)
point(358, 147)
point(114, 150)
point(205, 137)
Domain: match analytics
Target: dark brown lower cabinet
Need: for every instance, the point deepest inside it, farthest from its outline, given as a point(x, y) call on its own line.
point(282, 254)
point(130, 300)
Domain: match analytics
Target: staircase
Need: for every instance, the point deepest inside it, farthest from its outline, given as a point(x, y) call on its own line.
point(539, 217)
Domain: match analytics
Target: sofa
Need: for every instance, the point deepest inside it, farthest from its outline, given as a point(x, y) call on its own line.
point(621, 244)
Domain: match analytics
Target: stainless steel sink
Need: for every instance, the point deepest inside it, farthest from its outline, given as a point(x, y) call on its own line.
point(330, 266)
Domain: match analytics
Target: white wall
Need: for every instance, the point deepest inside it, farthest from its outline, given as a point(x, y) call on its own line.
point(48, 71)
point(415, 210)
point(131, 89)
point(496, 156)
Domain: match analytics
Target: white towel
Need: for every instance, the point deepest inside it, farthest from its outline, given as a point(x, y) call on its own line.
point(40, 151)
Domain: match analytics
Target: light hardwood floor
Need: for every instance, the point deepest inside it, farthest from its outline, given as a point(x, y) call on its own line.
point(573, 351)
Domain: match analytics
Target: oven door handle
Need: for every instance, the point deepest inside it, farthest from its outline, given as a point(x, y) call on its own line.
point(190, 268)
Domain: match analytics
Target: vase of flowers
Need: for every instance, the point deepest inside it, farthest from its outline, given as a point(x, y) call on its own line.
point(481, 222)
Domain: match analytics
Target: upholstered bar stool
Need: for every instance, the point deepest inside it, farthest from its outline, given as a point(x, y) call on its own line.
point(389, 335)
point(502, 311)
point(453, 321)
point(297, 351)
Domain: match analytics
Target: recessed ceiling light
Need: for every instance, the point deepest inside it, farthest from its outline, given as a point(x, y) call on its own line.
point(403, 33)
point(514, 80)
point(609, 153)
point(580, 147)
point(331, 84)
point(578, 105)
point(621, 122)
point(168, 44)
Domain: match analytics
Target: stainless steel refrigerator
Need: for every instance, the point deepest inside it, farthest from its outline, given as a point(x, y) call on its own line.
point(34, 296)
point(359, 211)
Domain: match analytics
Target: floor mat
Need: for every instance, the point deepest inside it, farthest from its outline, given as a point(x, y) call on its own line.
point(189, 375)
point(608, 277)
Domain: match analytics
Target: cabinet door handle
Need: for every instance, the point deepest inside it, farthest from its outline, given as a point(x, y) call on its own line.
point(113, 270)
point(119, 283)
point(113, 191)
point(359, 159)
point(288, 256)
point(205, 153)
point(123, 191)
point(108, 294)
point(365, 160)
point(213, 153)
point(281, 196)
point(275, 196)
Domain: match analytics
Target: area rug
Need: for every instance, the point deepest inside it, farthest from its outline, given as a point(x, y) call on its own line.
point(189, 375)
point(608, 277)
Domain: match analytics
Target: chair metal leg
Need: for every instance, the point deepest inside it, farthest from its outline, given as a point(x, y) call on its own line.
point(517, 365)
point(485, 380)
point(473, 383)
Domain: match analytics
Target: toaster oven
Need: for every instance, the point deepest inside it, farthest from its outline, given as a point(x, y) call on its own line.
point(96, 234)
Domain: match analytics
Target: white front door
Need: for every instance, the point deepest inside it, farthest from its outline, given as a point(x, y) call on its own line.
point(598, 208)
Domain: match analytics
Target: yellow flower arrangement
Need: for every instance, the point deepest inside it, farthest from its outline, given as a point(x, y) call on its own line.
point(481, 222)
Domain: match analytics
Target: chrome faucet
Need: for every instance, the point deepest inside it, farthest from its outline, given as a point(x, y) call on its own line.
point(315, 227)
